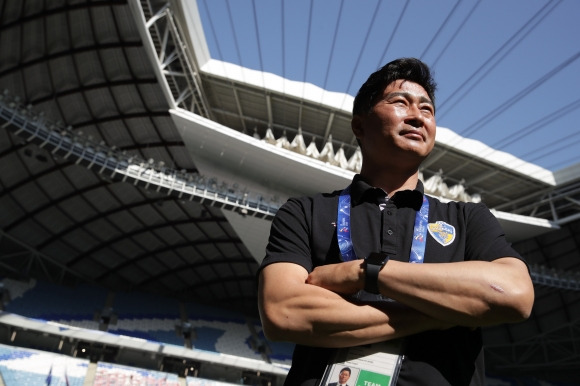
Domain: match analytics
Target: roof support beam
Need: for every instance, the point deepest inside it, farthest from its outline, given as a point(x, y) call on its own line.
point(328, 126)
point(239, 107)
point(269, 108)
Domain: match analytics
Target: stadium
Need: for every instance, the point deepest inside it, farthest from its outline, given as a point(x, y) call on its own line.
point(139, 176)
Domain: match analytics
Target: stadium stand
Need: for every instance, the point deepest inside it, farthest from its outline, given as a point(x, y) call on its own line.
point(61, 370)
point(30, 367)
point(136, 203)
point(141, 316)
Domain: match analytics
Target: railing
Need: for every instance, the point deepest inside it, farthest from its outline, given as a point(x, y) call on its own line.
point(72, 146)
point(553, 278)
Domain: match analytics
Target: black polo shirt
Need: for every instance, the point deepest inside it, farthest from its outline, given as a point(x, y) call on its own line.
point(304, 232)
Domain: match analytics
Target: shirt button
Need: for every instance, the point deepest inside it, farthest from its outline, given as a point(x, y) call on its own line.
point(389, 212)
point(390, 232)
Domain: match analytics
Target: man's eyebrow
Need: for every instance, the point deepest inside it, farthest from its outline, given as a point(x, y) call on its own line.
point(406, 95)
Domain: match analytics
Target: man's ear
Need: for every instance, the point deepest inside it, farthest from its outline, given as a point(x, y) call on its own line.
point(356, 125)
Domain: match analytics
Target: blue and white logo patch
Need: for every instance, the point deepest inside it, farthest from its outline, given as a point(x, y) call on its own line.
point(442, 232)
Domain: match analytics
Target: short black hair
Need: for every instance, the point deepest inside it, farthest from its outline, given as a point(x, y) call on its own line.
point(410, 69)
point(346, 369)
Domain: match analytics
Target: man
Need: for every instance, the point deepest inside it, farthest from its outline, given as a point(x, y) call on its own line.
point(343, 377)
point(467, 277)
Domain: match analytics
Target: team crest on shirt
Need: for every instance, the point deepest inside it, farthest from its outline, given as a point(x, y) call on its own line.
point(442, 232)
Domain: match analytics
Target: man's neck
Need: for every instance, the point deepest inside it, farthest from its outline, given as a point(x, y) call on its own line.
point(391, 182)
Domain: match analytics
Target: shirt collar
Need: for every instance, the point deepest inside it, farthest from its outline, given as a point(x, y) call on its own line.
point(361, 191)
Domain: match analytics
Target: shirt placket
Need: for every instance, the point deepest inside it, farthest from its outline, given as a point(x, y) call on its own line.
point(389, 227)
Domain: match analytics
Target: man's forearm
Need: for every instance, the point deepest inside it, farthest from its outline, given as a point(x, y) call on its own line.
point(469, 293)
point(305, 314)
point(472, 293)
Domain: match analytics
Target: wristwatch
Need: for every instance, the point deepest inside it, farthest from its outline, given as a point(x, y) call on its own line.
point(373, 264)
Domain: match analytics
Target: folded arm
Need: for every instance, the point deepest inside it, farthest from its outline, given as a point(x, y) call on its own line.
point(292, 310)
point(468, 293)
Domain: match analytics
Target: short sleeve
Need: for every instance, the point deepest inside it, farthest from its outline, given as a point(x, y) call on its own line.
point(289, 239)
point(485, 237)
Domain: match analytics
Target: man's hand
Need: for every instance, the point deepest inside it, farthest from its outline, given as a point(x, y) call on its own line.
point(345, 278)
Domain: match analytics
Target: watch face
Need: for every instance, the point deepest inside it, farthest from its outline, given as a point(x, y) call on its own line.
point(377, 258)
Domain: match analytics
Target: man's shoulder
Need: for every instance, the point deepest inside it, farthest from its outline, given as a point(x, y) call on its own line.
point(314, 199)
point(309, 207)
point(327, 195)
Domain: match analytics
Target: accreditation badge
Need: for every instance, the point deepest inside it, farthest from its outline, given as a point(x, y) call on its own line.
point(377, 364)
point(372, 365)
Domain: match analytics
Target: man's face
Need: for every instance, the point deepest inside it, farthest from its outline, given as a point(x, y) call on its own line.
point(343, 376)
point(399, 128)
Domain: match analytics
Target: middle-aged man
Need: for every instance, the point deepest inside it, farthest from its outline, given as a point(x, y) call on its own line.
point(443, 270)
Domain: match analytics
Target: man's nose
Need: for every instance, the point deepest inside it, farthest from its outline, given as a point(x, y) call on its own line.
point(414, 116)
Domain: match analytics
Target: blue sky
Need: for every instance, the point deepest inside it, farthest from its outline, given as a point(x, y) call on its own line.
point(508, 71)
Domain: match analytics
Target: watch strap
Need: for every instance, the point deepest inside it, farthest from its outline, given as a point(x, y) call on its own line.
point(372, 278)
point(373, 265)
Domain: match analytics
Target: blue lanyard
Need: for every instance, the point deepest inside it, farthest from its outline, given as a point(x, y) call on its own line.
point(343, 229)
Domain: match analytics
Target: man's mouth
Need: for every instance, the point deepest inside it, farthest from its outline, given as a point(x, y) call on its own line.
point(412, 134)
